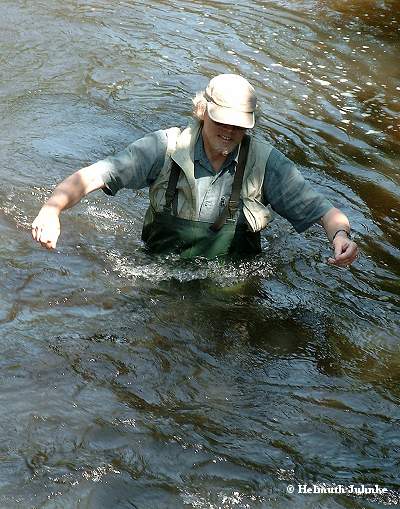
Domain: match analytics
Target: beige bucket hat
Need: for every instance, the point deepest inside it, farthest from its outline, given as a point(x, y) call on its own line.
point(231, 100)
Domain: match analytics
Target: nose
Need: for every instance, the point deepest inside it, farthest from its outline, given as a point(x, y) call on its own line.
point(229, 128)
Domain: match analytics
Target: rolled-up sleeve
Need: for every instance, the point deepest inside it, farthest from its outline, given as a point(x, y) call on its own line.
point(135, 167)
point(290, 195)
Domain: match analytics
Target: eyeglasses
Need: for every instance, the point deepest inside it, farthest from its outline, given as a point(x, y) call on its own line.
point(220, 124)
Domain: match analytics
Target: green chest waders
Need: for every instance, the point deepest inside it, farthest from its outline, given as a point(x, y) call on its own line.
point(169, 233)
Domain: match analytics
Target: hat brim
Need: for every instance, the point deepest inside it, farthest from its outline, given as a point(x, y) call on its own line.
point(230, 116)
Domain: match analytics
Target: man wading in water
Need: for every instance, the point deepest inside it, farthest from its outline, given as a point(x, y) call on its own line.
point(211, 184)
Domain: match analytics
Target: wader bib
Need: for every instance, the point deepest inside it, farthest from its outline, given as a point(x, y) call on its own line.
point(169, 233)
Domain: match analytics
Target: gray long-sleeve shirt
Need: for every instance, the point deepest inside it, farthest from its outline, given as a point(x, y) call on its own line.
point(284, 188)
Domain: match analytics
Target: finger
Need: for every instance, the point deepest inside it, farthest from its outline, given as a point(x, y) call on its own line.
point(36, 232)
point(333, 261)
point(343, 257)
point(337, 263)
point(47, 244)
point(348, 256)
point(342, 261)
point(52, 242)
point(339, 249)
point(44, 238)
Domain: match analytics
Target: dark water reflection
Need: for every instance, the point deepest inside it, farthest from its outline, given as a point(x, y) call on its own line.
point(131, 381)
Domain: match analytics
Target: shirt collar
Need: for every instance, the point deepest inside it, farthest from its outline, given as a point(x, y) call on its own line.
point(201, 156)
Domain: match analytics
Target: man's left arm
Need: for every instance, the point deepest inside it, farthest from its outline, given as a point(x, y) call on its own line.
point(293, 198)
point(337, 227)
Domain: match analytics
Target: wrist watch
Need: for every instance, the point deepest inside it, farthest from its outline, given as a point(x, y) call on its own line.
point(342, 230)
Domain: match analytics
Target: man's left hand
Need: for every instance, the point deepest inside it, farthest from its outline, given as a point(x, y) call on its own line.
point(345, 251)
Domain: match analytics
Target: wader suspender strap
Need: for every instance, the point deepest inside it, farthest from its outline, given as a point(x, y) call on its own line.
point(171, 189)
point(233, 204)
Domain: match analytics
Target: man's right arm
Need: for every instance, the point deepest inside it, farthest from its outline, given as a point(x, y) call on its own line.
point(135, 167)
point(46, 226)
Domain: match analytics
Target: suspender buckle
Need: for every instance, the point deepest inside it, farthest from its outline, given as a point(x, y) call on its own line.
point(232, 208)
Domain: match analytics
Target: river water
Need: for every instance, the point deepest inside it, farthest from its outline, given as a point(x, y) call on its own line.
point(134, 381)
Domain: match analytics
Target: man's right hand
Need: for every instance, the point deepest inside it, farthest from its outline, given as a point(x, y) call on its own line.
point(46, 228)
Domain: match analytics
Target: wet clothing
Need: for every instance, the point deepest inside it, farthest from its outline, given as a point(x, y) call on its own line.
point(146, 162)
point(165, 230)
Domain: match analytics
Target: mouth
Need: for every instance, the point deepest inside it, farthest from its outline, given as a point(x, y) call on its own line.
point(225, 138)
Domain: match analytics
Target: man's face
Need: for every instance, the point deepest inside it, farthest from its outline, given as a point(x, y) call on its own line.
point(221, 138)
